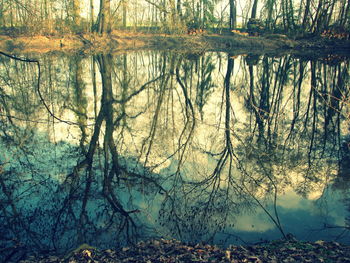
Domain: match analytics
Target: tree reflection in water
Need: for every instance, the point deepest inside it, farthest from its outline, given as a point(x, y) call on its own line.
point(163, 144)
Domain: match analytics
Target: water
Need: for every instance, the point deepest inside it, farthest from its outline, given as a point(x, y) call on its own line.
point(112, 149)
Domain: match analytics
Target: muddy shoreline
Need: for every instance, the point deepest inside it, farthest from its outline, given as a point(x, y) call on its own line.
point(272, 44)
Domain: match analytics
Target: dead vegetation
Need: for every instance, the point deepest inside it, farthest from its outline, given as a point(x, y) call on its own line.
point(176, 251)
point(121, 40)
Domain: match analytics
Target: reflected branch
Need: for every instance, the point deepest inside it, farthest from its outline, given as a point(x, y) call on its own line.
point(38, 86)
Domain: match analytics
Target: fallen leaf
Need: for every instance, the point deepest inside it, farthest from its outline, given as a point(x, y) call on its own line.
point(86, 253)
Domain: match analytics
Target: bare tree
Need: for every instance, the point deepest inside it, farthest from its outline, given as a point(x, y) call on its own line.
point(104, 23)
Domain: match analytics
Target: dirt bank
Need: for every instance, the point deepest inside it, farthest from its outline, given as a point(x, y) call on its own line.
point(120, 41)
point(175, 251)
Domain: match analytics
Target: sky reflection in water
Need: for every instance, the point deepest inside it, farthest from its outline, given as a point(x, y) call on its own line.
point(198, 147)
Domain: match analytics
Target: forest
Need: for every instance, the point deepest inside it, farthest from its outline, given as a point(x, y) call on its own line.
point(173, 16)
point(174, 131)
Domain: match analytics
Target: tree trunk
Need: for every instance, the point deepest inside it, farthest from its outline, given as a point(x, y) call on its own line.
point(104, 17)
point(284, 15)
point(316, 22)
point(255, 6)
point(230, 65)
point(124, 13)
point(345, 14)
point(76, 14)
point(329, 17)
point(306, 15)
point(233, 14)
point(269, 4)
point(173, 20)
point(92, 14)
point(290, 14)
point(178, 8)
point(11, 17)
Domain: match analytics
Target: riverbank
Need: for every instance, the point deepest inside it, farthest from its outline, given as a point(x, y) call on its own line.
point(175, 251)
point(123, 41)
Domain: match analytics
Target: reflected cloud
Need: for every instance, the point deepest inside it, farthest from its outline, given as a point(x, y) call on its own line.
point(153, 143)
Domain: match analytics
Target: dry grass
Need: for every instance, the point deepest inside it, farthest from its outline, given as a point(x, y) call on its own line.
point(126, 40)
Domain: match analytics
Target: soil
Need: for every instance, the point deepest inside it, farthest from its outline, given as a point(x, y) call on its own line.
point(121, 41)
point(156, 251)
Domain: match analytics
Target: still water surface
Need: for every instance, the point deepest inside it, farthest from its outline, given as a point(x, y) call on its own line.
point(207, 147)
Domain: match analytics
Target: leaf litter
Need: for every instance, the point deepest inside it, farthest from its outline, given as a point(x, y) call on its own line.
point(173, 251)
